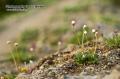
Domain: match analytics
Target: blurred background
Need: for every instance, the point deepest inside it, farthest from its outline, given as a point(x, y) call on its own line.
point(45, 26)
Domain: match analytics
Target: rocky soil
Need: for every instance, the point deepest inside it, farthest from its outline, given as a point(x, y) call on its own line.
point(61, 65)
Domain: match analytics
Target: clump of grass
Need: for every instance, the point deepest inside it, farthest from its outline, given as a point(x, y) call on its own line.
point(86, 58)
point(23, 56)
point(113, 42)
point(29, 35)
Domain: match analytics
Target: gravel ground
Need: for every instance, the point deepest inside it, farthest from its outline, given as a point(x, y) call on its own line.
point(61, 65)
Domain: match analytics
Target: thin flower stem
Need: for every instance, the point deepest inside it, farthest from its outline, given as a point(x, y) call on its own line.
point(82, 40)
point(95, 44)
point(78, 40)
point(87, 43)
point(14, 60)
point(17, 53)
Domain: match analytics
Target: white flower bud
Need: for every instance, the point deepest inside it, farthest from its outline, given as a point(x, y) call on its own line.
point(73, 22)
point(85, 32)
point(84, 26)
point(93, 30)
point(83, 56)
point(16, 44)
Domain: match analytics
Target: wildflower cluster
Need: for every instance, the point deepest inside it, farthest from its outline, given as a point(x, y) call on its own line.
point(85, 35)
point(19, 54)
point(89, 57)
